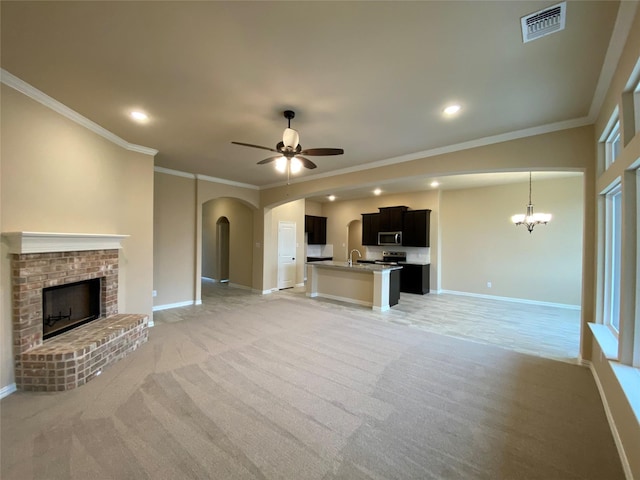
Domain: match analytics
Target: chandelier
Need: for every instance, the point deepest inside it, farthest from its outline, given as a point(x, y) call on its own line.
point(531, 219)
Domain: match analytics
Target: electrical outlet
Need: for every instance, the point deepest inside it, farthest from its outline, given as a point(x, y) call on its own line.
point(488, 284)
point(154, 293)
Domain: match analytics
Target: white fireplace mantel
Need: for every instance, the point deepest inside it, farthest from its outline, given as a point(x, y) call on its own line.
point(46, 242)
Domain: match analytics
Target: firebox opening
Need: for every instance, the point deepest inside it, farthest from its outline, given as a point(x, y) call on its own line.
point(68, 306)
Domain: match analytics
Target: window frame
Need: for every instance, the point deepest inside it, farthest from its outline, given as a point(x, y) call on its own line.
point(612, 258)
point(613, 144)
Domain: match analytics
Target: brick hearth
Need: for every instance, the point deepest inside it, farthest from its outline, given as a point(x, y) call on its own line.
point(72, 358)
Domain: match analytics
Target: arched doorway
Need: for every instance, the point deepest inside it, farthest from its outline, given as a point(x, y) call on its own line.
point(222, 250)
point(354, 239)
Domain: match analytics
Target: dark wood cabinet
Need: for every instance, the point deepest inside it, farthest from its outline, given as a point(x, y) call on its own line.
point(414, 225)
point(370, 228)
point(414, 278)
point(391, 219)
point(316, 229)
point(415, 229)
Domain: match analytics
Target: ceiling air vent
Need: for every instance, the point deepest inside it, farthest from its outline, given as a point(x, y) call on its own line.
point(544, 22)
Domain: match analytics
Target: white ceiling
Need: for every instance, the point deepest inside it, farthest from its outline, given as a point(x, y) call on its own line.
point(369, 77)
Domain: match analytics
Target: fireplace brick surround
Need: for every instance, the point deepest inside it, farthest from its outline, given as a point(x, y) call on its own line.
point(70, 359)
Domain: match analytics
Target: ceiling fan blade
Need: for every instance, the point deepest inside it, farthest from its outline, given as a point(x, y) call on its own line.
point(268, 160)
point(306, 162)
point(323, 151)
point(255, 146)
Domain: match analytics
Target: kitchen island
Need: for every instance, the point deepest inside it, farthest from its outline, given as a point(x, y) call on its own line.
point(375, 286)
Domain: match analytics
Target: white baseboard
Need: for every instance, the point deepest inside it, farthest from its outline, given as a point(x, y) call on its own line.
point(176, 305)
point(511, 299)
point(612, 425)
point(268, 291)
point(7, 390)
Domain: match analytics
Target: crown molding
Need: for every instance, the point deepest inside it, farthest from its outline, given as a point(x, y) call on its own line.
point(175, 173)
point(204, 178)
point(30, 91)
point(480, 142)
point(207, 178)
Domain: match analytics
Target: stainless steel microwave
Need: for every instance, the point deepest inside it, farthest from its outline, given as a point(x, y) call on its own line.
point(389, 238)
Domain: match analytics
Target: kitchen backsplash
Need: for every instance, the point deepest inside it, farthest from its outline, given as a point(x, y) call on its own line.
point(320, 250)
point(414, 254)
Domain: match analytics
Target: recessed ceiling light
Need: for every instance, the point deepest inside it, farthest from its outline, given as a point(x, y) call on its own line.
point(451, 109)
point(377, 191)
point(139, 116)
point(332, 198)
point(434, 184)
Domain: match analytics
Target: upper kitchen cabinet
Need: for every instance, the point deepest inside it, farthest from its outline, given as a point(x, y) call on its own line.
point(391, 219)
point(370, 228)
point(316, 229)
point(415, 230)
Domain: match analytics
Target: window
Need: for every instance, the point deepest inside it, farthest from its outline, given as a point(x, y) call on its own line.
point(636, 106)
point(613, 247)
point(612, 144)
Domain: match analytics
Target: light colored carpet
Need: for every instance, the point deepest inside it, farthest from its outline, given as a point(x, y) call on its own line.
point(291, 388)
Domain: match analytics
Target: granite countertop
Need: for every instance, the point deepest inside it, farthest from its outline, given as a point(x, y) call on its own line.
point(356, 267)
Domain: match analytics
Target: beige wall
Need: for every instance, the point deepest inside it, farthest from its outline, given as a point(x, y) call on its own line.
point(209, 189)
point(625, 420)
point(291, 212)
point(480, 244)
point(58, 176)
point(174, 226)
point(178, 213)
point(565, 150)
point(240, 218)
point(313, 208)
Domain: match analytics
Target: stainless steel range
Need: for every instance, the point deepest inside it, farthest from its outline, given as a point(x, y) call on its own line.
point(392, 258)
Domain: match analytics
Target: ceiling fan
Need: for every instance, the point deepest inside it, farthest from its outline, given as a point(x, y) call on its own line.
point(289, 149)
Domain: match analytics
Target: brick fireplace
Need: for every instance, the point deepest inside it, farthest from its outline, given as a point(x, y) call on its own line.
point(40, 261)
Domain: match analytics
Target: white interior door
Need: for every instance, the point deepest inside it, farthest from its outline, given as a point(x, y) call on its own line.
point(286, 254)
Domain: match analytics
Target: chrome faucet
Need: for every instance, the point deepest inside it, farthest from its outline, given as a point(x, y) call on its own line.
point(351, 256)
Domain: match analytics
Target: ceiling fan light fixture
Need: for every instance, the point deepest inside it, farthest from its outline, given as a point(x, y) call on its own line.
point(290, 138)
point(281, 164)
point(296, 165)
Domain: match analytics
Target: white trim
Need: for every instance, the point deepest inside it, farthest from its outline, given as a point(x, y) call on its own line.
point(7, 390)
point(480, 142)
point(30, 91)
point(176, 173)
point(43, 242)
point(511, 299)
point(612, 426)
point(167, 306)
point(207, 178)
point(204, 178)
point(606, 340)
